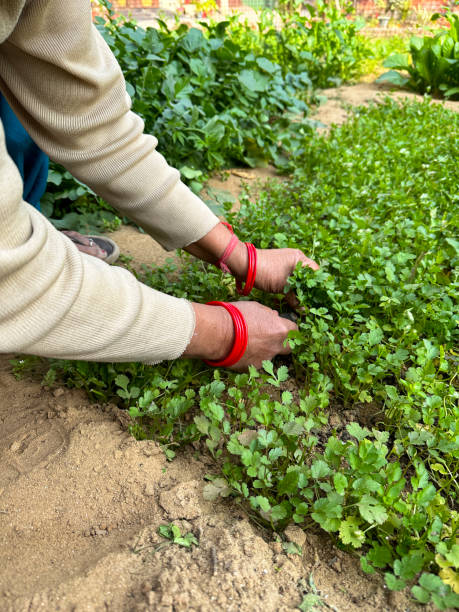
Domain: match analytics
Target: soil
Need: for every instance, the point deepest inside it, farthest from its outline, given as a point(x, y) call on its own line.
point(81, 502)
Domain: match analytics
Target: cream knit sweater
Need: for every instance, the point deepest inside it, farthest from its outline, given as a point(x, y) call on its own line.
point(68, 91)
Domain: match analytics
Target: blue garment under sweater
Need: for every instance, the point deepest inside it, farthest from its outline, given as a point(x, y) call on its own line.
point(32, 163)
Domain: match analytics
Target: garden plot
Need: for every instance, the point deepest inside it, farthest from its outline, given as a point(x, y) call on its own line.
point(109, 493)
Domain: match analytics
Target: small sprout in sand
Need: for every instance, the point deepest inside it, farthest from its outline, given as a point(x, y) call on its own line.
point(173, 533)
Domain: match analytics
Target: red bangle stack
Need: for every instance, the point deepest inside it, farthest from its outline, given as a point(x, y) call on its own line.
point(251, 271)
point(240, 337)
point(252, 264)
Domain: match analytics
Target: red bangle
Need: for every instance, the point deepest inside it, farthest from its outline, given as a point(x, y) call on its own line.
point(241, 337)
point(251, 271)
point(252, 263)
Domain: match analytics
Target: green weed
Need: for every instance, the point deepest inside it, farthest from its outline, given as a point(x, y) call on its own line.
point(172, 533)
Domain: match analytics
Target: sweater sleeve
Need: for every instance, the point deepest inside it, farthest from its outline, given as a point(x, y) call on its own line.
point(67, 88)
point(58, 302)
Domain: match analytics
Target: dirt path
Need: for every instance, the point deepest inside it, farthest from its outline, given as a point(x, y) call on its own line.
point(80, 503)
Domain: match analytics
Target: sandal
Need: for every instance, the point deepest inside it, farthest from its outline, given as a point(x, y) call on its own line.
point(109, 246)
point(105, 244)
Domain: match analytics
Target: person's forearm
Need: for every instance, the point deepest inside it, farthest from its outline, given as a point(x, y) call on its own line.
point(212, 246)
point(213, 334)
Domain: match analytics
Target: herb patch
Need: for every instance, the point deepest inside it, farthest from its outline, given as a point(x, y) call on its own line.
point(375, 203)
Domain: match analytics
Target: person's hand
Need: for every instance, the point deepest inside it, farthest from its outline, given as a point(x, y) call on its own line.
point(267, 333)
point(214, 334)
point(274, 266)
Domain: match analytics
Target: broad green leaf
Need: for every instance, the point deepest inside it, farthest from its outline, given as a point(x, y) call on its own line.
point(393, 583)
point(293, 429)
point(399, 61)
point(376, 335)
point(267, 66)
point(278, 513)
point(320, 469)
point(358, 432)
point(202, 423)
point(289, 484)
point(409, 565)
point(420, 594)
point(122, 381)
point(380, 555)
point(341, 483)
point(393, 77)
point(253, 80)
point(261, 502)
point(193, 40)
point(371, 510)
point(350, 532)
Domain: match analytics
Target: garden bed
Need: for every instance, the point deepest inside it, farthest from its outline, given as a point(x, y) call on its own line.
point(81, 501)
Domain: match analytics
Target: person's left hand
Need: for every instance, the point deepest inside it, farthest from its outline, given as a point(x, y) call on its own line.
point(274, 266)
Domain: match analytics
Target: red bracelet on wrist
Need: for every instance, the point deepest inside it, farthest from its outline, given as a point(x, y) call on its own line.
point(251, 271)
point(252, 264)
point(240, 337)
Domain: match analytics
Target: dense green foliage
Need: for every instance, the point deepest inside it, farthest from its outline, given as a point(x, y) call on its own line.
point(433, 62)
point(209, 103)
point(217, 97)
point(325, 43)
point(71, 205)
point(375, 203)
point(380, 49)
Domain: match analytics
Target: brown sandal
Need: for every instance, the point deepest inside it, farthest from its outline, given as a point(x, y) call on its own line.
point(106, 244)
point(109, 246)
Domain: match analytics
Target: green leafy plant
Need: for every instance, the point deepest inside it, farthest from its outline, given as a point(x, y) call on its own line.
point(217, 96)
point(209, 102)
point(380, 49)
point(70, 205)
point(433, 63)
point(325, 43)
point(172, 532)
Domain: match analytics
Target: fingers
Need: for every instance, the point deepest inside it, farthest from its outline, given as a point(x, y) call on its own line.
point(288, 327)
point(267, 334)
point(310, 263)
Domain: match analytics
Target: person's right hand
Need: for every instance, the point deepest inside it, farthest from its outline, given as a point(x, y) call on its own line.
point(214, 334)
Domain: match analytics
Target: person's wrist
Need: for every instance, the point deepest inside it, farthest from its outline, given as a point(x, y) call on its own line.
point(213, 335)
point(238, 261)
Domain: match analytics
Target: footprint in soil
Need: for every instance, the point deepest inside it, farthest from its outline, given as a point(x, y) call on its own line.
point(26, 445)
